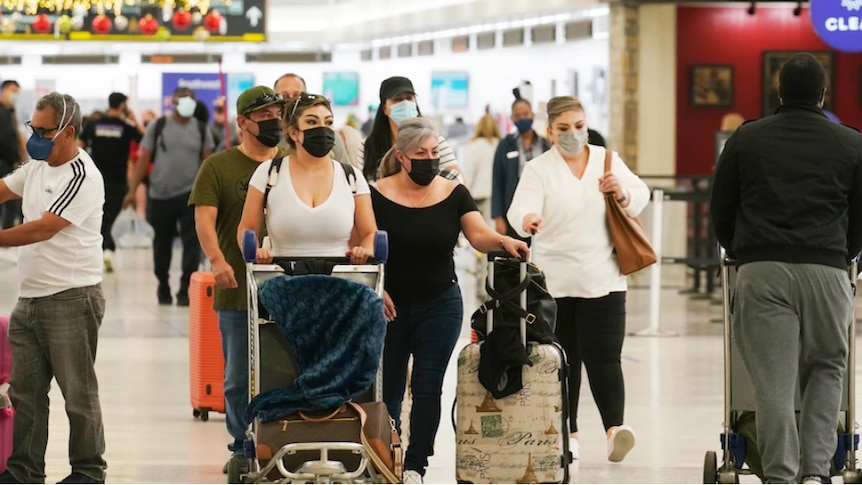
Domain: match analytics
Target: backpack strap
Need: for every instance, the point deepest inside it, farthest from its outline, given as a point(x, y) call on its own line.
point(271, 180)
point(350, 175)
point(203, 129)
point(159, 142)
point(157, 139)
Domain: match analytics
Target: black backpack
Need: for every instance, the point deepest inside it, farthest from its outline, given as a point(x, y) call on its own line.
point(160, 127)
point(276, 166)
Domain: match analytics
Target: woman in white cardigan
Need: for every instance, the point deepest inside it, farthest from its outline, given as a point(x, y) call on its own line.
point(560, 199)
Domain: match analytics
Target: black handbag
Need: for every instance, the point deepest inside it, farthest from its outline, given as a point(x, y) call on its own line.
point(541, 311)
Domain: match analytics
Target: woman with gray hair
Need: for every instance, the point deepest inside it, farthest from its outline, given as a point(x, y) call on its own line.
point(424, 215)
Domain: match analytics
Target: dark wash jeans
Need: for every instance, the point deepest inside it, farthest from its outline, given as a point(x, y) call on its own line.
point(428, 331)
point(163, 215)
point(55, 337)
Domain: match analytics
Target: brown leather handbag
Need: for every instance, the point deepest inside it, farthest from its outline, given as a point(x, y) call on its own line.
point(366, 423)
point(633, 249)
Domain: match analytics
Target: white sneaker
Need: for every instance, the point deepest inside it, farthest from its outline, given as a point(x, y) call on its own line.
point(621, 441)
point(574, 448)
point(108, 258)
point(412, 476)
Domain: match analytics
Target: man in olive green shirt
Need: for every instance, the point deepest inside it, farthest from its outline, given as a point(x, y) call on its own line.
point(218, 196)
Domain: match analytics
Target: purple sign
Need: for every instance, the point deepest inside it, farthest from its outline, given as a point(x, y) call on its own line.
point(838, 23)
point(206, 86)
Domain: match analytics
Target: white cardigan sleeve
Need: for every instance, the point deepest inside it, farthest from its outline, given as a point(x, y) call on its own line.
point(635, 188)
point(529, 198)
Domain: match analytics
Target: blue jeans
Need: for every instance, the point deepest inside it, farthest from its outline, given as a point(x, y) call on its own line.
point(429, 331)
point(234, 341)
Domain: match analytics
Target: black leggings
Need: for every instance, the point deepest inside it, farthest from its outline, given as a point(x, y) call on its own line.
point(591, 330)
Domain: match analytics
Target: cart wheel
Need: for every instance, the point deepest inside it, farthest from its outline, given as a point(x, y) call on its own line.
point(196, 413)
point(205, 416)
point(728, 476)
point(249, 246)
point(381, 246)
point(852, 476)
point(710, 467)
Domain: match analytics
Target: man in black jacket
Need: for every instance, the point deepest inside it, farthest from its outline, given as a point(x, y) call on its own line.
point(787, 204)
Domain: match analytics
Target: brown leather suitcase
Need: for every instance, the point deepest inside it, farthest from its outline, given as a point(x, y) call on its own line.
point(378, 436)
point(206, 361)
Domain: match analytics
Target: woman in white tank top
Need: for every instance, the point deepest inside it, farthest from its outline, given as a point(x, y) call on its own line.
point(314, 204)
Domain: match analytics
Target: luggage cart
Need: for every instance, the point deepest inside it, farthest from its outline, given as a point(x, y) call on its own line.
point(739, 397)
point(271, 366)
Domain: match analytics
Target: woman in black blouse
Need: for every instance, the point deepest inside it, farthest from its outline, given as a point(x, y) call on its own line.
point(424, 214)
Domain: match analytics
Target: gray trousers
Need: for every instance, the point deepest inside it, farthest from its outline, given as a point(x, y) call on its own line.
point(791, 325)
point(56, 336)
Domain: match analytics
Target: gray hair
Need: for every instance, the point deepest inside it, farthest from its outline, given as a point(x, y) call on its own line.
point(56, 102)
point(411, 134)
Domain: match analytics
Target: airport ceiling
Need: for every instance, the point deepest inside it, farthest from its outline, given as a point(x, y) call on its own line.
point(345, 21)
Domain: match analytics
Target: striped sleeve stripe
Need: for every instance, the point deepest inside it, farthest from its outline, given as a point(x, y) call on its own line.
point(71, 190)
point(447, 156)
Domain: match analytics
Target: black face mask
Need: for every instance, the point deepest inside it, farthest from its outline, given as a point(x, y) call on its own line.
point(424, 170)
point(269, 132)
point(318, 141)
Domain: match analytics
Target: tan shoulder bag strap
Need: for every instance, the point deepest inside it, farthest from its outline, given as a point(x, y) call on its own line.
point(372, 455)
point(608, 157)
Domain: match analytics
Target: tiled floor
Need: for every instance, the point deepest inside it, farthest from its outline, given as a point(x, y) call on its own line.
point(674, 391)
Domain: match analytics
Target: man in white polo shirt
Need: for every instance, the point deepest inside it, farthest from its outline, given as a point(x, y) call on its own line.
point(54, 327)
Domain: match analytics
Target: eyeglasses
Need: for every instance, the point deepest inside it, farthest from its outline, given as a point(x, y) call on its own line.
point(305, 99)
point(261, 100)
point(41, 132)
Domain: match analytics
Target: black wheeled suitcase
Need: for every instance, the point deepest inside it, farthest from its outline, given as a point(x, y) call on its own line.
point(524, 436)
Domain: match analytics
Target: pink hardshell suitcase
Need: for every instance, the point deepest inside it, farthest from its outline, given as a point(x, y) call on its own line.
point(6, 410)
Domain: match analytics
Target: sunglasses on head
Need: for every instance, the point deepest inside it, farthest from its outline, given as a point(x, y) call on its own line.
point(304, 99)
point(261, 100)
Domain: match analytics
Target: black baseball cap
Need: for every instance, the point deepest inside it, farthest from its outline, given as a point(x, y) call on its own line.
point(394, 86)
point(115, 100)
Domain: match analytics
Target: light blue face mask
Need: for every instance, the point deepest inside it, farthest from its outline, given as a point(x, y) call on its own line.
point(403, 110)
point(186, 107)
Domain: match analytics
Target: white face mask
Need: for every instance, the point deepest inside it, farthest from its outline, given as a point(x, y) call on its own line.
point(186, 107)
point(12, 99)
point(571, 143)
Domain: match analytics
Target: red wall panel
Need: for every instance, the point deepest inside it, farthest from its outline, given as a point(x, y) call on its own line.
point(728, 35)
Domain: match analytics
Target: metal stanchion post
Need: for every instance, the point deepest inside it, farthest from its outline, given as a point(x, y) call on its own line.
point(654, 329)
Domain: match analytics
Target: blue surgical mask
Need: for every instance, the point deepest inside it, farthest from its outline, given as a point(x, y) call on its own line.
point(403, 110)
point(39, 147)
point(186, 107)
point(524, 125)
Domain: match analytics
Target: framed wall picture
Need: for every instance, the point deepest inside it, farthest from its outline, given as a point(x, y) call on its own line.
point(772, 62)
point(712, 85)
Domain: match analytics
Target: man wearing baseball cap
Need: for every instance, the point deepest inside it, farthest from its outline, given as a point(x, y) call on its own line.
point(218, 197)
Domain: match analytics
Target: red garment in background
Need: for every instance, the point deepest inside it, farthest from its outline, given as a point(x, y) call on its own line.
point(134, 150)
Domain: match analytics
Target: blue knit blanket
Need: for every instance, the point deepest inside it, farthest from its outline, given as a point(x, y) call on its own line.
point(336, 330)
